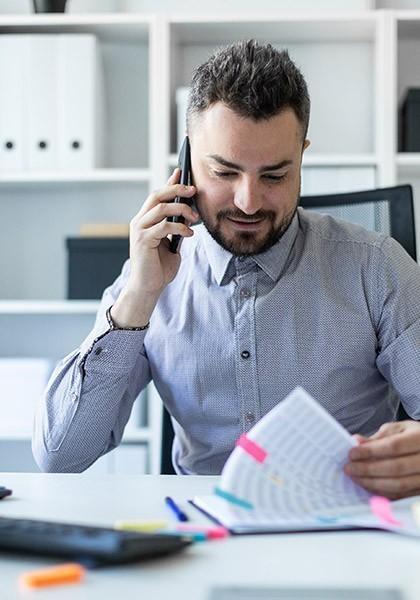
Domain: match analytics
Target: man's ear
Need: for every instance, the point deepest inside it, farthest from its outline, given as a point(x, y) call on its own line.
point(306, 143)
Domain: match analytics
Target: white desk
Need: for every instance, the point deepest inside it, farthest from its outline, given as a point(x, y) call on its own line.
point(348, 558)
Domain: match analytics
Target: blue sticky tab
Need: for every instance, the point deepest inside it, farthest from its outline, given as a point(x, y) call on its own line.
point(233, 499)
point(195, 536)
point(326, 519)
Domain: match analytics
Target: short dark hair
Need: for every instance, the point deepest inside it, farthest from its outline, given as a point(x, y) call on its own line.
point(254, 80)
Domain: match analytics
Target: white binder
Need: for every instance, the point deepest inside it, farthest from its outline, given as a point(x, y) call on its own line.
point(12, 56)
point(80, 109)
point(40, 100)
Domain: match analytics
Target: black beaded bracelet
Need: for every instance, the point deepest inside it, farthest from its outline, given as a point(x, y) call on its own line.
point(114, 327)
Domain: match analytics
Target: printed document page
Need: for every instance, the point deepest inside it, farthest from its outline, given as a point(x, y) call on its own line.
point(289, 468)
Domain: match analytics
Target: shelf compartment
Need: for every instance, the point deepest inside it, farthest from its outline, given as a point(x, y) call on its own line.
point(96, 176)
point(288, 26)
point(109, 28)
point(409, 160)
point(48, 307)
point(342, 44)
point(124, 56)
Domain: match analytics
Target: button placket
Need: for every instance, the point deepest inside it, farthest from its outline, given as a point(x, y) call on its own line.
point(246, 279)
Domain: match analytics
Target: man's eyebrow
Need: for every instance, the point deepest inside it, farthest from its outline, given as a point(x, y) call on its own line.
point(231, 165)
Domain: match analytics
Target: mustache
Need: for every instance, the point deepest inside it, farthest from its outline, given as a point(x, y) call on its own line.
point(235, 214)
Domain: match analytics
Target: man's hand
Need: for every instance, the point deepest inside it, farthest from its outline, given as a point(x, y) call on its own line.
point(152, 265)
point(388, 462)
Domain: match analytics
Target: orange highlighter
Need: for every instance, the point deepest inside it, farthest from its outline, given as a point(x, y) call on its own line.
point(58, 575)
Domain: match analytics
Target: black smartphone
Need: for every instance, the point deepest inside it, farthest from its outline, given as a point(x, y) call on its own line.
point(184, 163)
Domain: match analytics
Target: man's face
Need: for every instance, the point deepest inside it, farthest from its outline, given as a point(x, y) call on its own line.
point(247, 175)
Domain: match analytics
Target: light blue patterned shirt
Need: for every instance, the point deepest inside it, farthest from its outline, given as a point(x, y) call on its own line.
point(331, 307)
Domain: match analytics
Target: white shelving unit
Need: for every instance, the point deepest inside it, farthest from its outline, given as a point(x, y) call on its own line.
point(97, 176)
point(48, 307)
point(406, 57)
point(357, 65)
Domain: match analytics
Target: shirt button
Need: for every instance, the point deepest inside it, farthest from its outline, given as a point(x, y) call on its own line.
point(245, 354)
point(249, 417)
point(98, 351)
point(245, 293)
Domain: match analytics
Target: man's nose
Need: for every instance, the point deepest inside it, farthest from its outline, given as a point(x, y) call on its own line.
point(248, 197)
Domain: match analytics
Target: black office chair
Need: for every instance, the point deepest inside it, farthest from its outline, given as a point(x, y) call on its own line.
point(166, 466)
point(387, 210)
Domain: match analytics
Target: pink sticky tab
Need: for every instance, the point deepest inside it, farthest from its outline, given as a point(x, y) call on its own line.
point(252, 448)
point(381, 508)
point(217, 533)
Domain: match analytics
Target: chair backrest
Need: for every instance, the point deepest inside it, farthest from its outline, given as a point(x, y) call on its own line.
point(166, 466)
point(387, 210)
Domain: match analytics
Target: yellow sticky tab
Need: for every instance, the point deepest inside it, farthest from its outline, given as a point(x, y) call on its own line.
point(141, 526)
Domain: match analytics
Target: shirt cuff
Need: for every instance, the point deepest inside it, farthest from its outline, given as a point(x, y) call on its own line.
point(113, 349)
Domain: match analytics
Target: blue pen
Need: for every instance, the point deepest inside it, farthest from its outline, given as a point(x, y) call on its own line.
point(180, 515)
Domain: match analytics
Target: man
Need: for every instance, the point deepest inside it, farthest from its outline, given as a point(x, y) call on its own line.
point(261, 298)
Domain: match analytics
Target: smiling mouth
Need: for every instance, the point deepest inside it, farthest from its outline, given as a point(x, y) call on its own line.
point(245, 222)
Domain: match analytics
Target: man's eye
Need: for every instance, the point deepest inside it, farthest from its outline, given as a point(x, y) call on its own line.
point(223, 173)
point(275, 177)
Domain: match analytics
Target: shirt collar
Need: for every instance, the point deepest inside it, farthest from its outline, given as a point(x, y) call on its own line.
point(219, 258)
point(272, 261)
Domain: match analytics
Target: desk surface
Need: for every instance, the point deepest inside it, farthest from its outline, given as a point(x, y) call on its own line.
point(329, 559)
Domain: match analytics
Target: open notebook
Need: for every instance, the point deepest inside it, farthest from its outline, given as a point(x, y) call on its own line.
point(286, 474)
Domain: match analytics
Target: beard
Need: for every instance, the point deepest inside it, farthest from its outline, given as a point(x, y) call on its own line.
point(248, 243)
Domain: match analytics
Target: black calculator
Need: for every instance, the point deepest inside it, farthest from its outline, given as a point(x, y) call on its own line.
point(91, 546)
point(4, 491)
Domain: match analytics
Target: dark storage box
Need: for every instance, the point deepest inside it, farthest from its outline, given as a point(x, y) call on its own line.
point(410, 122)
point(93, 264)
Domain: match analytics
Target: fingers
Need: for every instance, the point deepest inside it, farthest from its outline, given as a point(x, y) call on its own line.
point(166, 194)
point(392, 467)
point(388, 463)
point(150, 225)
point(164, 209)
point(174, 177)
point(153, 236)
point(394, 439)
point(388, 429)
point(391, 487)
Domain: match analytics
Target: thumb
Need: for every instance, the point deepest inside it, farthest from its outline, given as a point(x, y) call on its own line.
point(387, 429)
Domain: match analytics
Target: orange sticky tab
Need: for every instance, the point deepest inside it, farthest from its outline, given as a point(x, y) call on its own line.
point(61, 574)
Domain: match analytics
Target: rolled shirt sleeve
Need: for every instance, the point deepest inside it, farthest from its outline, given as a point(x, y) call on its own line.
point(89, 397)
